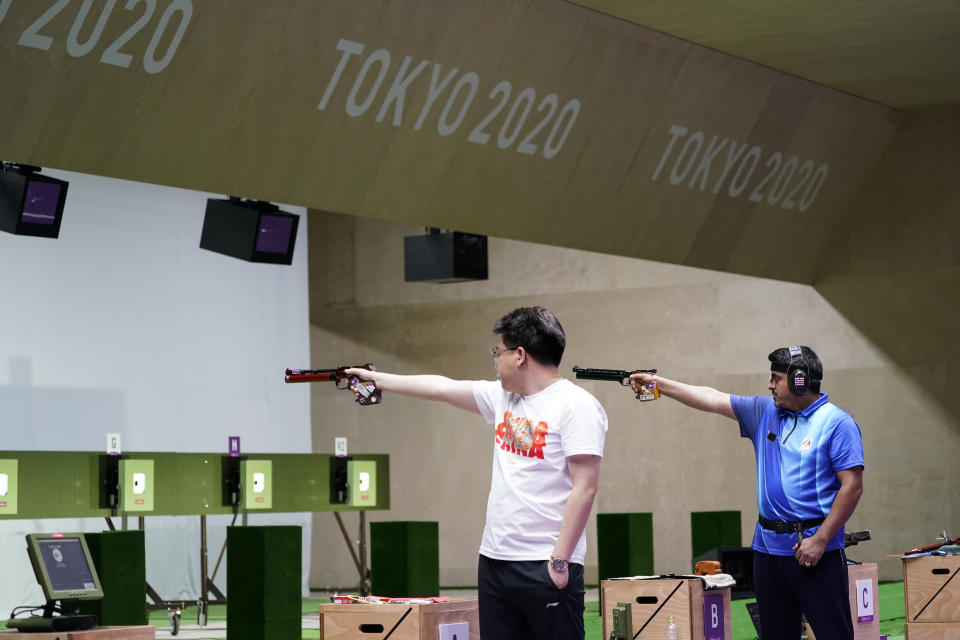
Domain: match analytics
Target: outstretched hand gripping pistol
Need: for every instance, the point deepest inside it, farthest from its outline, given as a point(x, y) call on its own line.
point(644, 392)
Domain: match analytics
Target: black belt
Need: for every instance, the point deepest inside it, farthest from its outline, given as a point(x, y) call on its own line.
point(789, 527)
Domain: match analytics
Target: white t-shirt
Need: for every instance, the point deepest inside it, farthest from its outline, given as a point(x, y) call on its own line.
point(533, 437)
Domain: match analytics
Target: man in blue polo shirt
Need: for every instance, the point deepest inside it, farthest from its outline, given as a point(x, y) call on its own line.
point(809, 480)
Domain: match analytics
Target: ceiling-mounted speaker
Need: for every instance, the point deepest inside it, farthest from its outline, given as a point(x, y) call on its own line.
point(444, 257)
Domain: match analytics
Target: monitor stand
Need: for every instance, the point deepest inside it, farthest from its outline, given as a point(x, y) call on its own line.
point(49, 622)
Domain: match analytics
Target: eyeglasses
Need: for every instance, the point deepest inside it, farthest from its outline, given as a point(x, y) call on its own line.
point(495, 351)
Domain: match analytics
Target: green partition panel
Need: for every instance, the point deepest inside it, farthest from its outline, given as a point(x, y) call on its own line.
point(709, 529)
point(405, 559)
point(66, 484)
point(120, 562)
point(263, 583)
point(624, 544)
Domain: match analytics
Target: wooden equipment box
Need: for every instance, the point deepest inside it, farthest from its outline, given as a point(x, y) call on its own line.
point(653, 601)
point(405, 621)
point(862, 629)
point(931, 589)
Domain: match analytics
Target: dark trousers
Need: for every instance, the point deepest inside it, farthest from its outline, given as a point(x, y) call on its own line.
point(518, 601)
point(786, 590)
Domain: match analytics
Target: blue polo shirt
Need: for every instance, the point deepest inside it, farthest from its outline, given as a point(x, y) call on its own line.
point(797, 468)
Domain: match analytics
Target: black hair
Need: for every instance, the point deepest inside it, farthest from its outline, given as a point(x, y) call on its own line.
point(781, 360)
point(535, 329)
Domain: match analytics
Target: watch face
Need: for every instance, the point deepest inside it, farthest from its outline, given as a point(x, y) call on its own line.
point(559, 565)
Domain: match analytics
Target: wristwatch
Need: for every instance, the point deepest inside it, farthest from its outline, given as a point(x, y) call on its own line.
point(558, 564)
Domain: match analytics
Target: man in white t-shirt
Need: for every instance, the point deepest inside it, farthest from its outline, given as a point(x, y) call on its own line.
point(548, 443)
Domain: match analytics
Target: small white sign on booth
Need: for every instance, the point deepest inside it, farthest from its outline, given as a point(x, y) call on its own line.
point(455, 631)
point(865, 601)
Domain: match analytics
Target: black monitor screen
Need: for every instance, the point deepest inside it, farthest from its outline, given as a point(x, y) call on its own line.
point(273, 235)
point(66, 564)
point(41, 202)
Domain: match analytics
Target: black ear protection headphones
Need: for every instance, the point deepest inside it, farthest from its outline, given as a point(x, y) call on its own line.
point(798, 377)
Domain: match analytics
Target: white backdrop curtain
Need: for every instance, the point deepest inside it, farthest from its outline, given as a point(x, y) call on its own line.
point(124, 325)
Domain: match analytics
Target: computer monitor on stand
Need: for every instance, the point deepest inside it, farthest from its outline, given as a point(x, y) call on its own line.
point(65, 571)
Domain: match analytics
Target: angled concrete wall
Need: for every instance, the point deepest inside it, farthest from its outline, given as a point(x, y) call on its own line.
point(701, 326)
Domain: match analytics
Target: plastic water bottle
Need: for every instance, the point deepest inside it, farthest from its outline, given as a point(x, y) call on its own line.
point(673, 633)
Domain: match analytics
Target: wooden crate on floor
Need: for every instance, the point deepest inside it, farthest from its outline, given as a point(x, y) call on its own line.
point(931, 589)
point(653, 601)
point(400, 621)
point(863, 629)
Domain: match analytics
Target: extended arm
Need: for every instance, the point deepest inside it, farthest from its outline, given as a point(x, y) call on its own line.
point(851, 488)
point(702, 398)
point(585, 473)
point(458, 393)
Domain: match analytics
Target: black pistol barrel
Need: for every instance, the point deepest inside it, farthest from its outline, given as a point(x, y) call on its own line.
point(615, 375)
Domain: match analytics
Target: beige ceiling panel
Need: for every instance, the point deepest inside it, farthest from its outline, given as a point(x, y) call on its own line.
point(902, 54)
point(535, 120)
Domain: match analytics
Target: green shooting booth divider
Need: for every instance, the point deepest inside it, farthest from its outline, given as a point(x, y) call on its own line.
point(119, 559)
point(624, 545)
point(710, 529)
point(716, 535)
point(263, 583)
point(405, 558)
